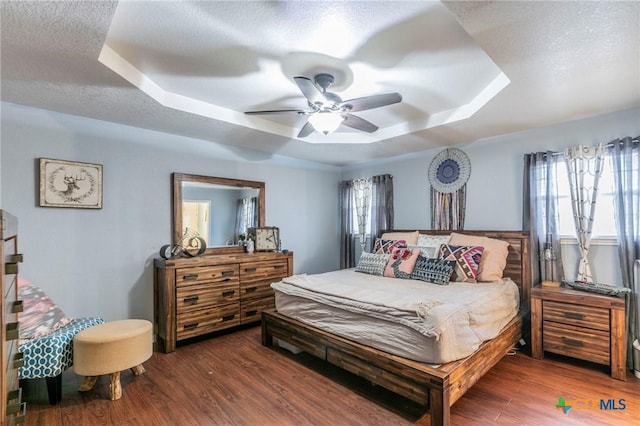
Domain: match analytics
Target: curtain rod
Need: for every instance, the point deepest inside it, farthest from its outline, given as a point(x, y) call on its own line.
point(609, 145)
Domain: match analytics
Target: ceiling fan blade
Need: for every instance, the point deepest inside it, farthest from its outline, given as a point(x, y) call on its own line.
point(370, 102)
point(310, 91)
point(358, 123)
point(274, 111)
point(306, 130)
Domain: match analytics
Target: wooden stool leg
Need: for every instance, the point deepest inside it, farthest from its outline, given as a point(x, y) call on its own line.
point(138, 370)
point(88, 383)
point(114, 386)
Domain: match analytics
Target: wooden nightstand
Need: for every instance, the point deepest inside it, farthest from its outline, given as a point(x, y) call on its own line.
point(579, 324)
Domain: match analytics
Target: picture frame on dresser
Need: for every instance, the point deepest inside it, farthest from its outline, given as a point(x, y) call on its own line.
point(70, 184)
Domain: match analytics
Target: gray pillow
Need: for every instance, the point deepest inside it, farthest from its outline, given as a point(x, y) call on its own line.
point(371, 263)
point(436, 271)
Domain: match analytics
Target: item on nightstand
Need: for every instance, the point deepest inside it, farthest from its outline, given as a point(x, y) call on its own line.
point(606, 289)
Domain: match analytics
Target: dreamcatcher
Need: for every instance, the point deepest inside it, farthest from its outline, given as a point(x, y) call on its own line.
point(448, 174)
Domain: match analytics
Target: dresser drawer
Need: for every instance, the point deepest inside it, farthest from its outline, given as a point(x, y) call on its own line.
point(203, 321)
point(204, 274)
point(588, 344)
point(268, 270)
point(199, 296)
point(251, 310)
point(578, 315)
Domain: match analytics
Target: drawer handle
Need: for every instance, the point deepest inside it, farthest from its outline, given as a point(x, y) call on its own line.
point(251, 313)
point(18, 360)
point(250, 269)
point(279, 266)
point(226, 280)
point(17, 258)
point(13, 331)
point(17, 306)
point(191, 300)
point(228, 317)
point(15, 394)
point(572, 342)
point(10, 268)
point(574, 315)
point(17, 408)
point(251, 289)
point(190, 277)
point(227, 273)
point(228, 293)
point(191, 326)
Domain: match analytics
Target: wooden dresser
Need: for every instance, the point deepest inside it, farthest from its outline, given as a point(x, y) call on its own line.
point(579, 324)
point(12, 409)
point(197, 296)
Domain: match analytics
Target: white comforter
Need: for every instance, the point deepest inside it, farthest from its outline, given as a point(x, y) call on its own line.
point(480, 309)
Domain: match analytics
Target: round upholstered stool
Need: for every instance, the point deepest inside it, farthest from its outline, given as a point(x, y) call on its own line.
point(110, 348)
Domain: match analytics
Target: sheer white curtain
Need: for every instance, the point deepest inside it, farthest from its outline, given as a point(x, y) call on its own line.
point(362, 193)
point(584, 167)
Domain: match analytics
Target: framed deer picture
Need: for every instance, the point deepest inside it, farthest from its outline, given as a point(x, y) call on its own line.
point(70, 184)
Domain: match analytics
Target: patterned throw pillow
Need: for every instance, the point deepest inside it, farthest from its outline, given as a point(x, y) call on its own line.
point(371, 263)
point(386, 246)
point(467, 260)
point(40, 315)
point(401, 263)
point(430, 244)
point(436, 271)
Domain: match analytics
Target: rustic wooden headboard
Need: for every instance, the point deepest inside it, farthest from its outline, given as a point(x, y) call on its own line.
point(518, 261)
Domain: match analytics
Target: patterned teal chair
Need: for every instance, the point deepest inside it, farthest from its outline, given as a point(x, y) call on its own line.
point(46, 338)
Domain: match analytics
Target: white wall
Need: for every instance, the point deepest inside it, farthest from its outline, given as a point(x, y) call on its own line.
point(99, 262)
point(494, 190)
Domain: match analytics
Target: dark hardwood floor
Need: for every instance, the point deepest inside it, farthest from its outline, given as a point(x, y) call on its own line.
point(232, 380)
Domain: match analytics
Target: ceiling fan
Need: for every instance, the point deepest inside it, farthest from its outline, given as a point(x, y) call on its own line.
point(327, 110)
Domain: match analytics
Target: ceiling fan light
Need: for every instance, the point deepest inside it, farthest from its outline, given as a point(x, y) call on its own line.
point(325, 121)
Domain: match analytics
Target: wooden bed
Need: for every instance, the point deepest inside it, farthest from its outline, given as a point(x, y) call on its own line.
point(437, 388)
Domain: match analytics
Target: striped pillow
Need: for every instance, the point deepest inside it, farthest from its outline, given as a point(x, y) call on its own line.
point(436, 271)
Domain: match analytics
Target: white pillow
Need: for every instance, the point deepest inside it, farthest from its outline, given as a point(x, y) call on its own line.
point(429, 245)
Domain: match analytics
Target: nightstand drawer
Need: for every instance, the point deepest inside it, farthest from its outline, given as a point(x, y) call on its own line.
point(564, 339)
point(578, 315)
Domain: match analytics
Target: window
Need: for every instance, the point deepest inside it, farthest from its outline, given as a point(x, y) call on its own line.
point(604, 225)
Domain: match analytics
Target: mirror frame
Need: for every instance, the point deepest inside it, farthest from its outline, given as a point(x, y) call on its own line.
point(180, 178)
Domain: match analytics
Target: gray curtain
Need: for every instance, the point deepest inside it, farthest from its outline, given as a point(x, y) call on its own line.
point(381, 206)
point(584, 168)
point(347, 233)
point(625, 164)
point(540, 214)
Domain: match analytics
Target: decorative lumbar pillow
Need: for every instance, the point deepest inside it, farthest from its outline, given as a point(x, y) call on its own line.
point(430, 244)
point(467, 260)
point(382, 246)
point(410, 237)
point(371, 263)
point(40, 315)
point(494, 256)
point(436, 271)
point(401, 263)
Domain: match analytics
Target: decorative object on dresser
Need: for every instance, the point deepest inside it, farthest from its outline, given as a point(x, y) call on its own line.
point(448, 173)
point(191, 245)
point(267, 238)
point(12, 409)
point(389, 364)
point(198, 296)
point(579, 324)
point(70, 184)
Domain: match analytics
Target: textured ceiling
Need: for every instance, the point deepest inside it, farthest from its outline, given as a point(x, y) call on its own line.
point(466, 70)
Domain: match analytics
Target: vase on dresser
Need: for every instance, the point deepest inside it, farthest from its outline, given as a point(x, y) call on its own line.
point(249, 246)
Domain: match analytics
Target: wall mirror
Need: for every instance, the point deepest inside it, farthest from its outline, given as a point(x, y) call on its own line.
point(217, 209)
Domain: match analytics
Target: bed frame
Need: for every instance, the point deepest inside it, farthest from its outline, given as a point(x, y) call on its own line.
point(438, 388)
